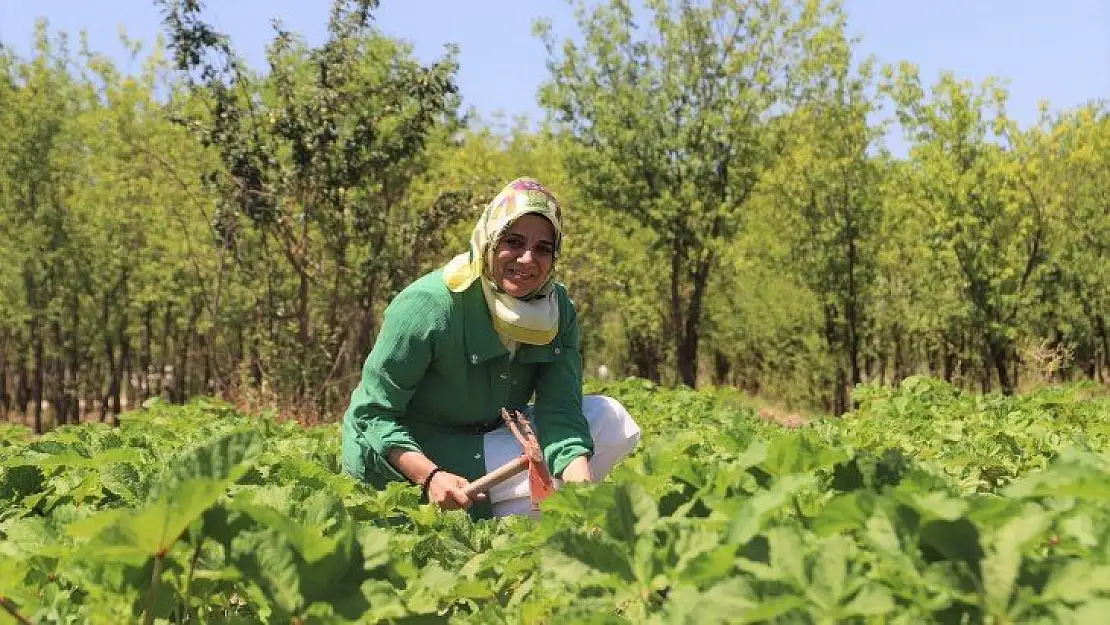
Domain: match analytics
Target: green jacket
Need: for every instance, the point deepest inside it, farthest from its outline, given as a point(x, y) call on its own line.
point(438, 362)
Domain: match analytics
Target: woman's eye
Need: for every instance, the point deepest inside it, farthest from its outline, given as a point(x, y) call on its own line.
point(514, 243)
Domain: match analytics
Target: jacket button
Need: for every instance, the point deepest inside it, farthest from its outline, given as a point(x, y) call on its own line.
point(556, 351)
point(474, 359)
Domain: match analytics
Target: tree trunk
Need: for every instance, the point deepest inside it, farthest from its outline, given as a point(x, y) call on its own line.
point(643, 352)
point(113, 378)
point(835, 347)
point(206, 364)
point(335, 333)
point(59, 398)
point(899, 373)
point(109, 358)
point(367, 328)
point(5, 397)
point(124, 352)
point(1000, 357)
point(181, 378)
point(985, 377)
point(36, 352)
point(73, 365)
point(721, 367)
point(840, 399)
point(145, 354)
point(690, 334)
point(1105, 335)
point(304, 337)
point(121, 377)
point(37, 365)
point(677, 256)
point(851, 307)
point(949, 354)
point(23, 386)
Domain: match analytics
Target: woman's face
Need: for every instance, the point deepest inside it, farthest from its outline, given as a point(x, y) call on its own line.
point(524, 255)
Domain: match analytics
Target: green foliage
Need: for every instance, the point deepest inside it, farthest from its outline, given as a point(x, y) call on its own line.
point(316, 159)
point(926, 504)
point(976, 202)
point(198, 226)
point(673, 124)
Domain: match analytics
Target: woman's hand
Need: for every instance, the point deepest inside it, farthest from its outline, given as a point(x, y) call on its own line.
point(448, 491)
point(578, 471)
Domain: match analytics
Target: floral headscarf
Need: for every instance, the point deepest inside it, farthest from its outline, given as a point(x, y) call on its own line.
point(534, 318)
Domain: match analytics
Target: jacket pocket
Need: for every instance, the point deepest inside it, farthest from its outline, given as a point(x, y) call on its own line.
point(530, 354)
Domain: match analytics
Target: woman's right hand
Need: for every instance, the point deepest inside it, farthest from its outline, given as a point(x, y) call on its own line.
point(448, 491)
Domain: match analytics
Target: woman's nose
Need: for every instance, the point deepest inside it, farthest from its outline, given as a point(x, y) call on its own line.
point(526, 256)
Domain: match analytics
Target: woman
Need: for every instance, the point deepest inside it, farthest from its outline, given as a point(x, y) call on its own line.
point(487, 331)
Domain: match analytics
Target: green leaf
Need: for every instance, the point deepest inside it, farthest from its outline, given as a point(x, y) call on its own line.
point(596, 552)
point(631, 514)
point(71, 460)
point(273, 566)
point(749, 519)
point(872, 600)
point(703, 559)
point(138, 534)
point(1003, 560)
point(828, 577)
point(429, 589)
point(847, 511)
point(724, 602)
point(789, 455)
point(306, 539)
point(957, 541)
point(787, 556)
point(769, 609)
point(1077, 582)
point(12, 574)
point(224, 459)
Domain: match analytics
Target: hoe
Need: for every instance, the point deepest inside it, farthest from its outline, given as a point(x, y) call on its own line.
point(539, 478)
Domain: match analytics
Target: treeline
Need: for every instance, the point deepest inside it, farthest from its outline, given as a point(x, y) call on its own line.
point(733, 217)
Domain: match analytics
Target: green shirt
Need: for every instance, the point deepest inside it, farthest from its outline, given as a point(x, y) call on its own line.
point(438, 362)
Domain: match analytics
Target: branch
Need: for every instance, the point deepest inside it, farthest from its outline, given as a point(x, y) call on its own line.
point(1031, 263)
point(10, 608)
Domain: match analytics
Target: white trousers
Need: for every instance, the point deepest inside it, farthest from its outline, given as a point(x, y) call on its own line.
point(614, 432)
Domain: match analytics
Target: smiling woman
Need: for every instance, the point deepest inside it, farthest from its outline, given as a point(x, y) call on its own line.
point(491, 330)
point(523, 257)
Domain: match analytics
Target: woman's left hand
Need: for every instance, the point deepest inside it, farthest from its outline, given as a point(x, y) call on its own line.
point(578, 471)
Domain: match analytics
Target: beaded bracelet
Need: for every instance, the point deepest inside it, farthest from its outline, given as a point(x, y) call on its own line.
point(428, 482)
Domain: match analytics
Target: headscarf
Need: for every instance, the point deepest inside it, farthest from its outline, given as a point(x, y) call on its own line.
point(534, 318)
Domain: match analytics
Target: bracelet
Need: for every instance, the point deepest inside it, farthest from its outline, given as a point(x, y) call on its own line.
point(428, 482)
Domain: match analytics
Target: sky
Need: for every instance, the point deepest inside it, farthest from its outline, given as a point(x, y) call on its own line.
point(1055, 51)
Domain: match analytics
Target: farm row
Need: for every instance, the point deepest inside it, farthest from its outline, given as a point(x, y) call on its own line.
point(925, 504)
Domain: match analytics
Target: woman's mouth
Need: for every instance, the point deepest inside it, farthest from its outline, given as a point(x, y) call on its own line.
point(522, 276)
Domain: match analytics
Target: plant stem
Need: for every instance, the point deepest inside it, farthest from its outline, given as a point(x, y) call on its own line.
point(189, 580)
point(9, 607)
point(159, 559)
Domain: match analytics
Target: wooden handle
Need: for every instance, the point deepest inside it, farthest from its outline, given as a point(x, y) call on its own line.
point(495, 477)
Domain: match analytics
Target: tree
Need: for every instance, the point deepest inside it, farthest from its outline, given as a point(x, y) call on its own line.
point(673, 122)
point(830, 183)
point(987, 225)
point(318, 156)
point(1066, 168)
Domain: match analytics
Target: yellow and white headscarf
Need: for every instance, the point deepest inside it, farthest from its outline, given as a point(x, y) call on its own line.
point(534, 318)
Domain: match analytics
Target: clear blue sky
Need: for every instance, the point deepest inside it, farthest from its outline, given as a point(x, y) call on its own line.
point(1057, 51)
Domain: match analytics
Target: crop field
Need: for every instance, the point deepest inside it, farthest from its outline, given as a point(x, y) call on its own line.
point(924, 505)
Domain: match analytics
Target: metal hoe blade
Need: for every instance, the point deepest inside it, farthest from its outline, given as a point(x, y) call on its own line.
point(540, 483)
